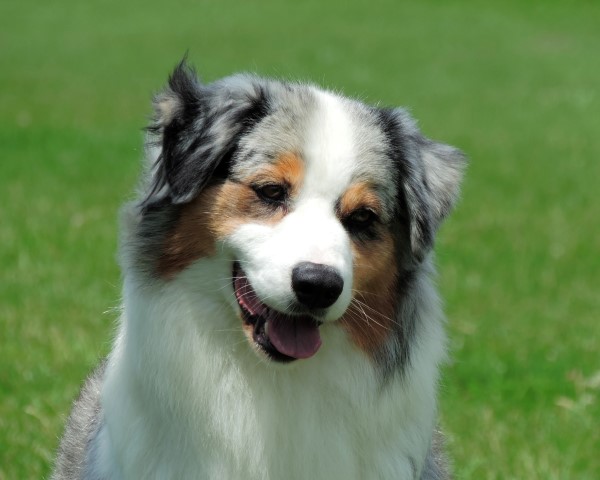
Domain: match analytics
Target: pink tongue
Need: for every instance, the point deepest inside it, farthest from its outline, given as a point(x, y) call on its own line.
point(296, 337)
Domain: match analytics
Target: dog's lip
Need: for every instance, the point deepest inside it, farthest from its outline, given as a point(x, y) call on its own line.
point(283, 337)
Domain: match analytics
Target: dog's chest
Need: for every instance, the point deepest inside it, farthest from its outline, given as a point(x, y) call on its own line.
point(331, 421)
point(299, 435)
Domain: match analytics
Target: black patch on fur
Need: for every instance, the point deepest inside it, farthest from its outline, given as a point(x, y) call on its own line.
point(201, 137)
point(247, 118)
point(395, 357)
point(413, 203)
point(429, 174)
point(158, 219)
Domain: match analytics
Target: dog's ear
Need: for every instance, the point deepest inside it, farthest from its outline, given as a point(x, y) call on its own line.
point(196, 129)
point(429, 176)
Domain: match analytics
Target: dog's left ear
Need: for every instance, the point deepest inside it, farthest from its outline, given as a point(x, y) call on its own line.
point(429, 178)
point(196, 129)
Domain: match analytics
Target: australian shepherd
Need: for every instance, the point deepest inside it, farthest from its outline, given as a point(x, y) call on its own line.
point(279, 318)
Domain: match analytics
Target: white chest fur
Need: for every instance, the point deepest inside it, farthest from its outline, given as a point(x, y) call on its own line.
point(185, 399)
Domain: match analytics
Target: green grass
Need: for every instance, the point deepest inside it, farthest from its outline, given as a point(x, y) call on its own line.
point(515, 85)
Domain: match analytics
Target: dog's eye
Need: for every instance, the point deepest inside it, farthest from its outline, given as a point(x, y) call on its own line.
point(361, 219)
point(271, 192)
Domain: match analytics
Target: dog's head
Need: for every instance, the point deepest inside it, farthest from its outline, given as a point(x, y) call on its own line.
point(322, 206)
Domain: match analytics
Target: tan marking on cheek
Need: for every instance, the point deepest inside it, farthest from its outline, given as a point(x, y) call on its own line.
point(370, 318)
point(214, 214)
point(359, 195)
point(219, 210)
point(191, 238)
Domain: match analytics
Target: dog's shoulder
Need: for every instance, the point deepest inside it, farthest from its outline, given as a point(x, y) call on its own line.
point(83, 423)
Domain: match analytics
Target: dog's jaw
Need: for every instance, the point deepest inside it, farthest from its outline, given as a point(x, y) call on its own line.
point(278, 336)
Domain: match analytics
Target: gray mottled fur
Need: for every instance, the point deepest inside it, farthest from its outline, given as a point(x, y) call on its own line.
point(75, 455)
point(436, 464)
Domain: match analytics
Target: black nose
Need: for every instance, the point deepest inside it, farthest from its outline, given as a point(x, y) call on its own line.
point(316, 285)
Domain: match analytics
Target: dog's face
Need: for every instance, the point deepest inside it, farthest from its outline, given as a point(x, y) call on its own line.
point(323, 206)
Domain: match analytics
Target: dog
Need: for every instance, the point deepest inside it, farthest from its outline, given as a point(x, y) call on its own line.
point(279, 317)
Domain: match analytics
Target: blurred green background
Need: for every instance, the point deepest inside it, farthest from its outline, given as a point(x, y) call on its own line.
point(515, 85)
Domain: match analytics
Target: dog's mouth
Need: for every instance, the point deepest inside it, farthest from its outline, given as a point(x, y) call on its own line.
point(282, 337)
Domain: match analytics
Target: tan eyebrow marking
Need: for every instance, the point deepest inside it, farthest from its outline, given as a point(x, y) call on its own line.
point(359, 195)
point(288, 169)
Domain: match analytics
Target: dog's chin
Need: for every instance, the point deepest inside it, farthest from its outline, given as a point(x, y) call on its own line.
point(278, 336)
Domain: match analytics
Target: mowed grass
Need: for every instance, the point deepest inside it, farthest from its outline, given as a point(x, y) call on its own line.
point(514, 85)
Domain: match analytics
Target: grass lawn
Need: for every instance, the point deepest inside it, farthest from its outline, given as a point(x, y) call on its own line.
point(514, 85)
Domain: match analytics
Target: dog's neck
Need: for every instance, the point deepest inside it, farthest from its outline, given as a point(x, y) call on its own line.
point(181, 391)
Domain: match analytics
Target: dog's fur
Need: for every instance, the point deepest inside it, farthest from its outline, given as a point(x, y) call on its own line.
point(248, 178)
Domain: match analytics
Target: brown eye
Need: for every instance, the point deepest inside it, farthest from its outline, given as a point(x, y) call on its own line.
point(271, 192)
point(361, 219)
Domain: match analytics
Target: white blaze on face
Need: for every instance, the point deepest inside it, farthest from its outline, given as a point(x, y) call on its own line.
point(329, 150)
point(311, 231)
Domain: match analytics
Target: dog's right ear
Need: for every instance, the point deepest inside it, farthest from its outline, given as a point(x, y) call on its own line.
point(429, 175)
point(195, 131)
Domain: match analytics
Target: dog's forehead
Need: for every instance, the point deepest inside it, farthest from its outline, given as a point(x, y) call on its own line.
point(344, 146)
point(339, 141)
